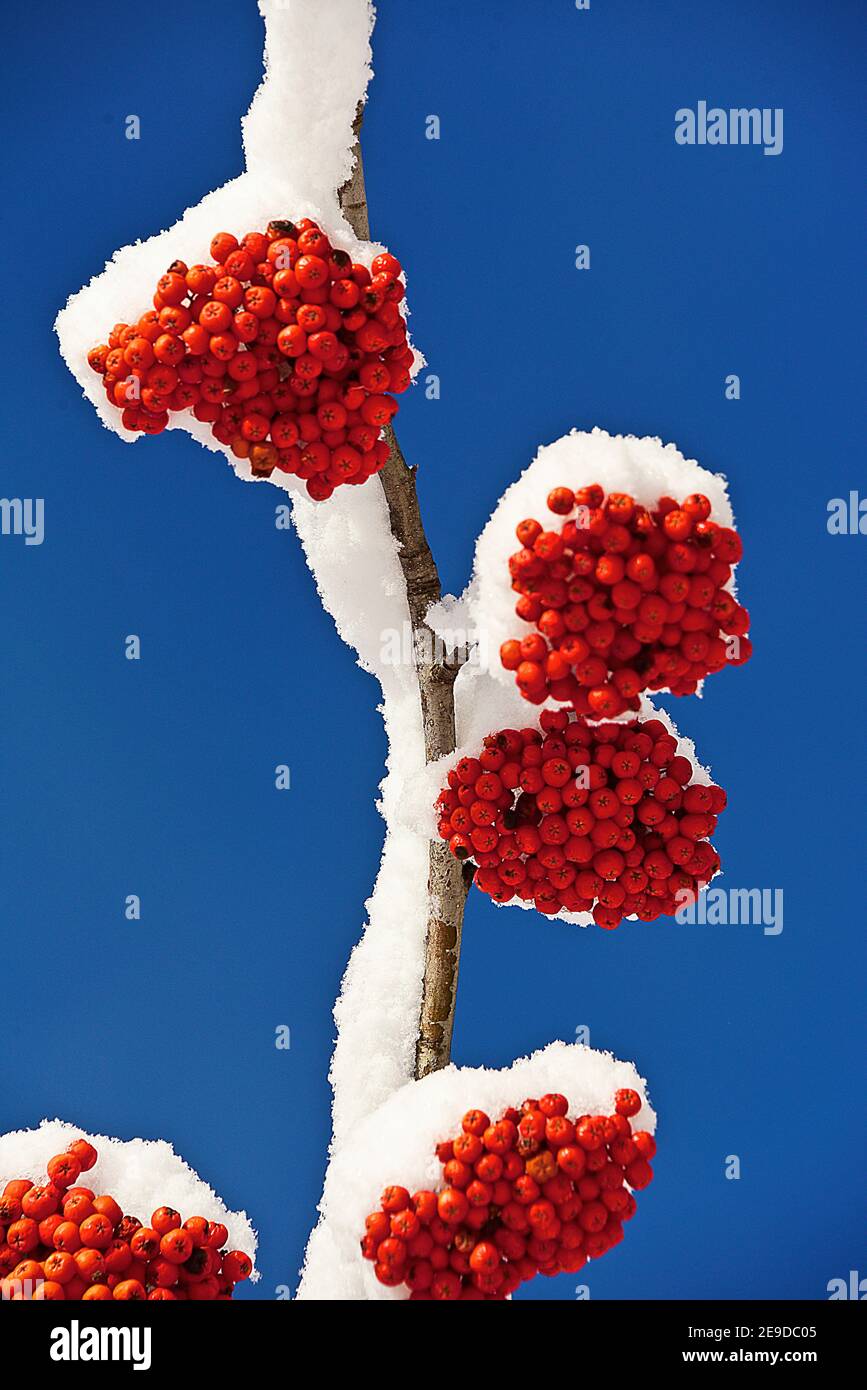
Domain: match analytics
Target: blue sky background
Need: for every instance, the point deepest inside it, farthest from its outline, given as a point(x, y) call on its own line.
point(156, 777)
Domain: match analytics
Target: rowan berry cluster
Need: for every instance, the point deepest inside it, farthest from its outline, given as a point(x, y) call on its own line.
point(623, 600)
point(533, 1193)
point(578, 817)
point(291, 351)
point(60, 1241)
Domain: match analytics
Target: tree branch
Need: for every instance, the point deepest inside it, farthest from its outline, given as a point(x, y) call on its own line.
point(447, 884)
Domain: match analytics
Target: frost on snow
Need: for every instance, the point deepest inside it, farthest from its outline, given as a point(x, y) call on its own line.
point(141, 1175)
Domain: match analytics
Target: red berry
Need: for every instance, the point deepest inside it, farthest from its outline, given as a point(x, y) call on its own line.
point(237, 1266)
point(627, 1102)
point(395, 1199)
point(452, 1206)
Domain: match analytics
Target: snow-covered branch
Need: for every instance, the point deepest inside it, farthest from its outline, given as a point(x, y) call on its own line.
point(437, 671)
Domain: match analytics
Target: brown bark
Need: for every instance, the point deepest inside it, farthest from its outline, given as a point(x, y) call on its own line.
point(447, 883)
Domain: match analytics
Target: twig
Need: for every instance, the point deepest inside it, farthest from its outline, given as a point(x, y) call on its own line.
point(447, 884)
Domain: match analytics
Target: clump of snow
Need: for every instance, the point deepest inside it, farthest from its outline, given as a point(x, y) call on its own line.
point(354, 560)
point(396, 1144)
point(377, 1010)
point(297, 141)
point(317, 67)
point(141, 1175)
point(645, 468)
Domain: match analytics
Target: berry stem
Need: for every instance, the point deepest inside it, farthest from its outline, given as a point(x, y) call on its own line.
point(447, 883)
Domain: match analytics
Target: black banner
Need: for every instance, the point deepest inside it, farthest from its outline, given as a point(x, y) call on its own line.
point(203, 1338)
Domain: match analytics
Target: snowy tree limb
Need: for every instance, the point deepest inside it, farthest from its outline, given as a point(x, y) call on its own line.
point(437, 670)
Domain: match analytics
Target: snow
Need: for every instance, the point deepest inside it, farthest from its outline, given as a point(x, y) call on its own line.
point(140, 1174)
point(317, 67)
point(353, 556)
point(646, 468)
point(297, 138)
point(396, 1145)
point(297, 143)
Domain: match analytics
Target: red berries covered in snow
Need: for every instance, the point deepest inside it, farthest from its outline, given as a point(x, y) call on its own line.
point(621, 600)
point(579, 817)
point(61, 1241)
point(533, 1193)
point(288, 349)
